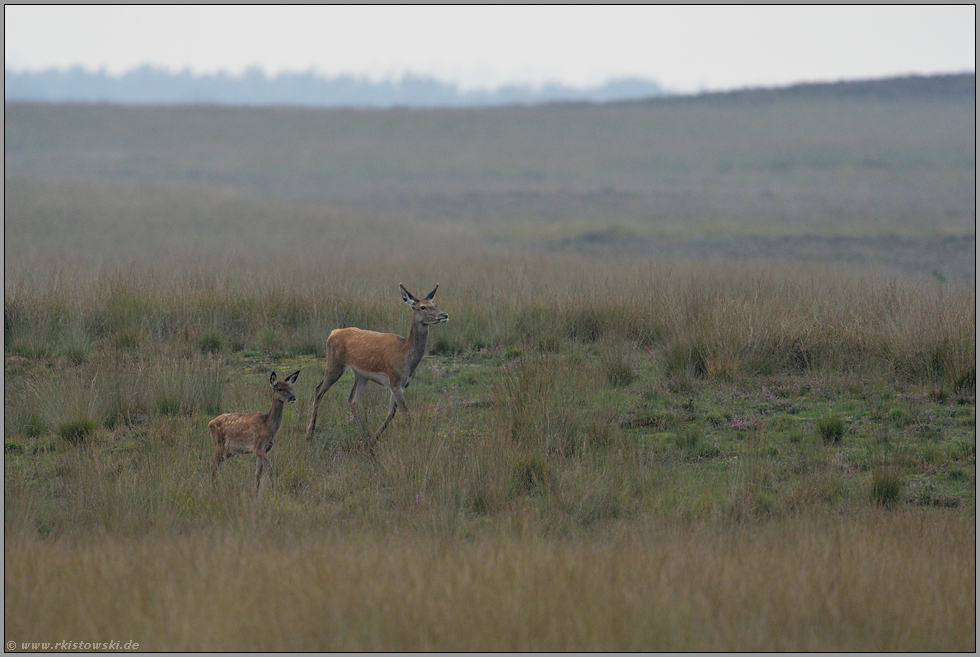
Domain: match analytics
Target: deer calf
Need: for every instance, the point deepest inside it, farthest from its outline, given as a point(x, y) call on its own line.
point(384, 358)
point(242, 433)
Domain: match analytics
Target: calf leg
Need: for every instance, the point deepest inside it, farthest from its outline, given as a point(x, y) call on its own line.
point(263, 462)
point(216, 460)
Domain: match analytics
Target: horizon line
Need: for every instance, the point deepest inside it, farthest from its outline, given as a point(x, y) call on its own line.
point(457, 85)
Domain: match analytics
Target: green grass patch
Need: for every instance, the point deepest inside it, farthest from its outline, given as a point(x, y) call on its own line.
point(211, 343)
point(76, 431)
point(886, 487)
point(831, 428)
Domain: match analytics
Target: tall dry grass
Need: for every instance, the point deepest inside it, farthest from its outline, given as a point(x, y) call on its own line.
point(719, 322)
point(141, 360)
point(822, 583)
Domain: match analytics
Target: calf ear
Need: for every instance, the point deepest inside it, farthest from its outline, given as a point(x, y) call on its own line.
point(273, 379)
point(431, 294)
point(291, 379)
point(407, 296)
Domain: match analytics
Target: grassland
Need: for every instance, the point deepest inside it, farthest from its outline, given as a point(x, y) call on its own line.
point(828, 164)
point(690, 397)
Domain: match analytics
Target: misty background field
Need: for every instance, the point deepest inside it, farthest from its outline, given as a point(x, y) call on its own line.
point(708, 381)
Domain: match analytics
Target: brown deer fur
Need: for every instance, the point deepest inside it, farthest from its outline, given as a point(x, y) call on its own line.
point(244, 433)
point(384, 358)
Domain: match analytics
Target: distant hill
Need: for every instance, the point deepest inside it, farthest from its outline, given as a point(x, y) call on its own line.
point(152, 86)
point(949, 86)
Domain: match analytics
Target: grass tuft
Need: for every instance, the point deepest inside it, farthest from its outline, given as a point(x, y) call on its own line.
point(693, 445)
point(886, 487)
point(619, 370)
point(686, 359)
point(831, 428)
point(529, 475)
point(33, 426)
point(12, 446)
point(211, 343)
point(76, 431)
point(967, 381)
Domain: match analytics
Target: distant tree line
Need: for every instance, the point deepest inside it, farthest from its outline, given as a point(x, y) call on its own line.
point(150, 85)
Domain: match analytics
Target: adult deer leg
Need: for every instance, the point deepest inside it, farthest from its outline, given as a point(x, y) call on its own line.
point(355, 395)
point(397, 401)
point(330, 377)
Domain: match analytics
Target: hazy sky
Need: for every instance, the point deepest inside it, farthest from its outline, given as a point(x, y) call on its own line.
point(682, 48)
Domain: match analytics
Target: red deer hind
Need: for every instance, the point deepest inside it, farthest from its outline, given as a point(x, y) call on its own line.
point(384, 358)
point(243, 433)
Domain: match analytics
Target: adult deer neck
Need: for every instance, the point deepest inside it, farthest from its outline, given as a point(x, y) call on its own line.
point(417, 336)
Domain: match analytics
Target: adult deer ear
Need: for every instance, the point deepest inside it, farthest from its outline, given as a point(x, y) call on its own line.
point(291, 379)
point(431, 294)
point(273, 379)
point(407, 296)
